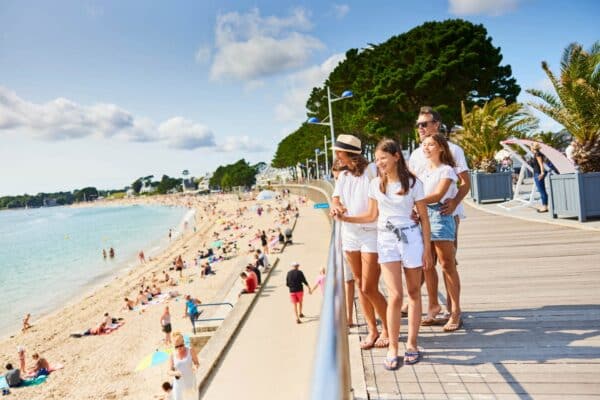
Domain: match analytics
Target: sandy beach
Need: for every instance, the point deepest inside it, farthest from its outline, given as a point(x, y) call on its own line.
point(103, 366)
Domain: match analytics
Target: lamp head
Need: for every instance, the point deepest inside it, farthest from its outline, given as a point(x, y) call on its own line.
point(313, 120)
point(347, 93)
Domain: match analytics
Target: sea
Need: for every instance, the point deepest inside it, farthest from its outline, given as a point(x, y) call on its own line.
point(50, 256)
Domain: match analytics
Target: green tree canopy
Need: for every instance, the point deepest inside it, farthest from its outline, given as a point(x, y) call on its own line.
point(240, 173)
point(300, 145)
point(438, 64)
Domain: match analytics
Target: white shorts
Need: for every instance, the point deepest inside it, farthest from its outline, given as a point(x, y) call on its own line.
point(357, 238)
point(390, 249)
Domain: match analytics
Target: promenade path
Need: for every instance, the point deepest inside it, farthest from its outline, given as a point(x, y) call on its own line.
point(271, 357)
point(531, 311)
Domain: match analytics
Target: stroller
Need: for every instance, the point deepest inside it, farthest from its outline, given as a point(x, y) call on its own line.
point(288, 236)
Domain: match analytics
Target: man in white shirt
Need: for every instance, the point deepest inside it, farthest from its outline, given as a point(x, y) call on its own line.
point(429, 123)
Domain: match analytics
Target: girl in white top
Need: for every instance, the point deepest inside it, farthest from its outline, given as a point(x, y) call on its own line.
point(359, 240)
point(440, 180)
point(400, 244)
point(181, 366)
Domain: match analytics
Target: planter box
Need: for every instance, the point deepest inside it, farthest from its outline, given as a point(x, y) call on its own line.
point(496, 186)
point(575, 195)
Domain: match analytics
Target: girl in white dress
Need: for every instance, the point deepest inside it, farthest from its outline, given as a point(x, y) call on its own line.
point(439, 180)
point(181, 366)
point(400, 243)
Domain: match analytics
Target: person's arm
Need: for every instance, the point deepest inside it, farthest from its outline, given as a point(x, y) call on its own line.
point(540, 162)
point(464, 187)
point(421, 206)
point(439, 192)
point(370, 216)
point(303, 279)
point(194, 358)
point(337, 208)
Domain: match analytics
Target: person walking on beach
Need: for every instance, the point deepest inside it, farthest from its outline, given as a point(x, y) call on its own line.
point(319, 282)
point(165, 323)
point(170, 234)
point(359, 240)
point(182, 364)
point(539, 176)
point(142, 257)
point(111, 253)
point(104, 254)
point(439, 181)
point(400, 243)
point(26, 324)
point(294, 281)
point(429, 122)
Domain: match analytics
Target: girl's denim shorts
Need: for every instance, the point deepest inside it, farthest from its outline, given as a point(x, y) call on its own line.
point(443, 227)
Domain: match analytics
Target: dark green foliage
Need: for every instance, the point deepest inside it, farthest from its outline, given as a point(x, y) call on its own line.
point(300, 145)
point(438, 64)
point(240, 173)
point(85, 194)
point(167, 183)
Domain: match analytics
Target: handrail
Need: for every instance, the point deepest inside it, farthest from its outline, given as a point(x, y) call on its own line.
point(211, 304)
point(331, 376)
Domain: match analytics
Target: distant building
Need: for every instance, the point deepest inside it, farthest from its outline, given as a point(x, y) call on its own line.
point(273, 175)
point(147, 188)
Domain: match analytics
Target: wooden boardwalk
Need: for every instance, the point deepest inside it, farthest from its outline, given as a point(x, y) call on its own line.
point(531, 307)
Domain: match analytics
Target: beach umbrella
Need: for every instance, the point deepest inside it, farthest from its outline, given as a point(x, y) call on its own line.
point(156, 358)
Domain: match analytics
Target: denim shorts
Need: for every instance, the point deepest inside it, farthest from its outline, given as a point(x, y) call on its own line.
point(443, 227)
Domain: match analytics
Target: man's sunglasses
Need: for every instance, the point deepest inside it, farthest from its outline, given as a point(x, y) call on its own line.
point(424, 124)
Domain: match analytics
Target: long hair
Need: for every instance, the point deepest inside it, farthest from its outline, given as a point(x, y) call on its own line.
point(407, 178)
point(446, 155)
point(358, 164)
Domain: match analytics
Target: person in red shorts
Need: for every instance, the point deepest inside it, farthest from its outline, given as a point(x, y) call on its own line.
point(294, 280)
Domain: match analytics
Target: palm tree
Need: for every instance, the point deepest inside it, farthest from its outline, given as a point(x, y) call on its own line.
point(559, 140)
point(485, 127)
point(576, 104)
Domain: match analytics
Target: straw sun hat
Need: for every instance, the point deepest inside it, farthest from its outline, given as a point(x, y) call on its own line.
point(348, 143)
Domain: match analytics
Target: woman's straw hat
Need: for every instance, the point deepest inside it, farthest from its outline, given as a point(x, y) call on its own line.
point(348, 143)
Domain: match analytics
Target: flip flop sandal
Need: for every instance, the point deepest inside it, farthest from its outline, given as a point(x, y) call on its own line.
point(369, 345)
point(412, 357)
point(382, 343)
point(392, 364)
point(453, 327)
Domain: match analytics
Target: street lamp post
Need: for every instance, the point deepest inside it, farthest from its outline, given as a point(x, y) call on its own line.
point(325, 151)
point(314, 120)
point(317, 152)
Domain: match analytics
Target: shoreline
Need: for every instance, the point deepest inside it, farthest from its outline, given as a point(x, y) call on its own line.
point(119, 269)
point(103, 366)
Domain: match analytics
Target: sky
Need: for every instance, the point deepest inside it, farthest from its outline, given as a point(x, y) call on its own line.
point(99, 93)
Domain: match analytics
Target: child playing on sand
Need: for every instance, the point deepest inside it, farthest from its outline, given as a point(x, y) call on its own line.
point(26, 324)
point(319, 282)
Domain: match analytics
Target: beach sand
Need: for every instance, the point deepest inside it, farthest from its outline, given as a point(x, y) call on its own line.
point(103, 367)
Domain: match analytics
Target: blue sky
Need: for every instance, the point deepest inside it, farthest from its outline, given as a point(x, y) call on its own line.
point(101, 92)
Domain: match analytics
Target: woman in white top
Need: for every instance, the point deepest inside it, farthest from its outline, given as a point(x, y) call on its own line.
point(400, 244)
point(439, 181)
point(181, 366)
point(359, 240)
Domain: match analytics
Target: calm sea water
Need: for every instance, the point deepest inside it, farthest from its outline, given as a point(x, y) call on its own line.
point(49, 256)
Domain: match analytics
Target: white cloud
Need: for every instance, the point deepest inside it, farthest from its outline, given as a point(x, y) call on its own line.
point(63, 119)
point(292, 107)
point(241, 144)
point(250, 47)
point(492, 8)
point(184, 134)
point(203, 54)
point(340, 10)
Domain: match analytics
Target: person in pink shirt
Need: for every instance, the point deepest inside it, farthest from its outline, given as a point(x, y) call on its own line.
point(319, 282)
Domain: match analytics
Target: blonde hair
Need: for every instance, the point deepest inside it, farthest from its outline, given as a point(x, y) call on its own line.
point(178, 337)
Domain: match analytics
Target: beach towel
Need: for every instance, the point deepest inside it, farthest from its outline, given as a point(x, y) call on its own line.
point(112, 327)
point(35, 381)
point(3, 383)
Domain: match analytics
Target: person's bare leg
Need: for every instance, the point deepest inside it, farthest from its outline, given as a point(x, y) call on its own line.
point(445, 253)
point(413, 288)
point(431, 282)
point(349, 300)
point(371, 272)
point(355, 263)
point(392, 276)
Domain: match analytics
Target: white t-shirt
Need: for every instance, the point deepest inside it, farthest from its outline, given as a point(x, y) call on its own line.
point(353, 192)
point(418, 164)
point(394, 207)
point(432, 177)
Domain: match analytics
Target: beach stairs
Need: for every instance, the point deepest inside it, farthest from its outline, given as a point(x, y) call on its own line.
point(202, 336)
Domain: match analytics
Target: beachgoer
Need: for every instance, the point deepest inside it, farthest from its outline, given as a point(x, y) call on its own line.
point(168, 389)
point(359, 241)
point(111, 253)
point(142, 257)
point(294, 281)
point(13, 376)
point(191, 310)
point(249, 281)
point(182, 364)
point(539, 176)
point(21, 353)
point(41, 365)
point(319, 282)
point(439, 181)
point(179, 266)
point(253, 269)
point(400, 244)
point(129, 304)
point(264, 243)
point(104, 253)
point(429, 122)
point(165, 323)
point(26, 324)
point(170, 234)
